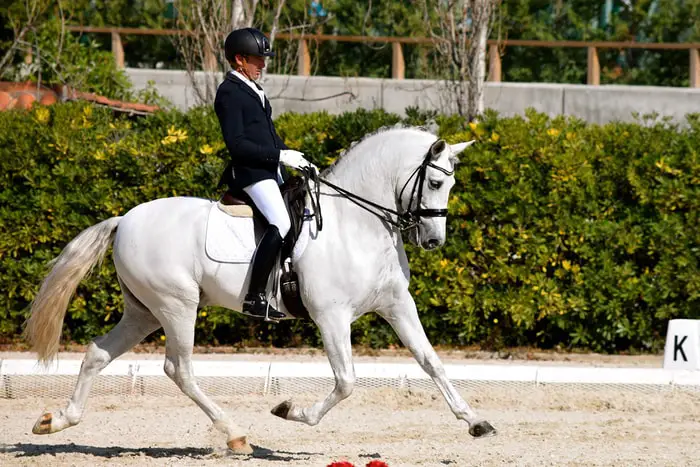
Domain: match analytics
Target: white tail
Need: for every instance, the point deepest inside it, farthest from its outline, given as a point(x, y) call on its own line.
point(49, 307)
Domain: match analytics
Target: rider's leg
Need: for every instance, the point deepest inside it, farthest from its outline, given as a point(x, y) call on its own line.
point(268, 199)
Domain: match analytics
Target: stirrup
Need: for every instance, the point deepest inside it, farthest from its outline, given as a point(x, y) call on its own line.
point(257, 306)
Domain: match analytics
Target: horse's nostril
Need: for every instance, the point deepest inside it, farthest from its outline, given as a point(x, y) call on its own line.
point(432, 243)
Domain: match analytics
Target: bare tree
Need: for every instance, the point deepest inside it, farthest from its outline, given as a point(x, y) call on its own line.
point(205, 25)
point(22, 25)
point(53, 62)
point(461, 29)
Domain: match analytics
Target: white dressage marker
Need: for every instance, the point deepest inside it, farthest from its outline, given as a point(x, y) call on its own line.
point(682, 351)
point(357, 264)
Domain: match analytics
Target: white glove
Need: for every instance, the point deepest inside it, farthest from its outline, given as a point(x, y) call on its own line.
point(294, 159)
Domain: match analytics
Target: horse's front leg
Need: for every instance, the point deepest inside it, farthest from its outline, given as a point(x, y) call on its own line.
point(336, 341)
point(403, 317)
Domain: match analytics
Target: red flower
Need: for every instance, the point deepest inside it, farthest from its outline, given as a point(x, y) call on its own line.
point(341, 464)
point(377, 464)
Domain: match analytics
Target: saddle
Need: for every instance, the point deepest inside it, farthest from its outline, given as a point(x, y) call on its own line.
point(238, 204)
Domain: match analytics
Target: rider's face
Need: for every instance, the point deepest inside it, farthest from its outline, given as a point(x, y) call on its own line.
point(250, 65)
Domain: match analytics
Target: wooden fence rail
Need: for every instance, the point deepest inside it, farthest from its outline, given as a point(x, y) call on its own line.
point(398, 65)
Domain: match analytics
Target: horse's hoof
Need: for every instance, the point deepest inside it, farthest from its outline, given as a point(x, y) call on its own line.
point(43, 425)
point(282, 410)
point(482, 429)
point(239, 446)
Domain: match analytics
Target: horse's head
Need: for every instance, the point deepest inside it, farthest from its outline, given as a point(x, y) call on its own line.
point(426, 192)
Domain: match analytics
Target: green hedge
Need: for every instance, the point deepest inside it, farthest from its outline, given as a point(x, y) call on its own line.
point(560, 233)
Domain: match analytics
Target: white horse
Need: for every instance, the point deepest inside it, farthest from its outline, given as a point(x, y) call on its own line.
point(355, 265)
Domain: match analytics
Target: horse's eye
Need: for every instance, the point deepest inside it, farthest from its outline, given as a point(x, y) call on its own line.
point(435, 184)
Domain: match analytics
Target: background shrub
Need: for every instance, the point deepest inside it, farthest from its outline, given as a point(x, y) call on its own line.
point(560, 233)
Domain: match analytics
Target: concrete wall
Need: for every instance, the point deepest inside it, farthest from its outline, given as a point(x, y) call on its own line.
point(595, 104)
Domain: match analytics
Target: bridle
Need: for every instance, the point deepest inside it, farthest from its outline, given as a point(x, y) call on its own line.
point(407, 220)
point(412, 216)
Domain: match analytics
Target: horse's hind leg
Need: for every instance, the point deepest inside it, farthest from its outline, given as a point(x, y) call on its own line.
point(136, 323)
point(178, 323)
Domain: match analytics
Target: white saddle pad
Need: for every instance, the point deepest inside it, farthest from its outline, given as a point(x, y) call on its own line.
point(229, 239)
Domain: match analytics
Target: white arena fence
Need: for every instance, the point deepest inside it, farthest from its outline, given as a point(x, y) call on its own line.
point(22, 378)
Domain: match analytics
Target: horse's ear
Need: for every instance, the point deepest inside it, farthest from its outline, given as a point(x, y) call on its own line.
point(437, 148)
point(459, 147)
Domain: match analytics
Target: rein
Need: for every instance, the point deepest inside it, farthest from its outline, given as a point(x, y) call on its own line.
point(407, 220)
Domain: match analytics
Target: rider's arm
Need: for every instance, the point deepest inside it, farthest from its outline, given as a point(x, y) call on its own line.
point(280, 142)
point(242, 150)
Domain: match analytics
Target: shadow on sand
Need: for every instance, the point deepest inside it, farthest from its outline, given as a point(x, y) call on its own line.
point(34, 450)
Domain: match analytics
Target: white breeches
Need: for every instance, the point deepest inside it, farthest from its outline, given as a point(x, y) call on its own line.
point(268, 199)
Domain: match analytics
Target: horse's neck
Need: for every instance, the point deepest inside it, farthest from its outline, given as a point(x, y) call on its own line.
point(367, 184)
point(370, 173)
point(359, 240)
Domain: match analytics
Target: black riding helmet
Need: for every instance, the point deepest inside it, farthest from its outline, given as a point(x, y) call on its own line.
point(247, 41)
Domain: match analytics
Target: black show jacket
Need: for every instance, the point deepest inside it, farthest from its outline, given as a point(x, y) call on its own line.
point(249, 134)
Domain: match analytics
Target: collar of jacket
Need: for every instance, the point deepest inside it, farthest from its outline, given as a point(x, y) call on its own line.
point(246, 88)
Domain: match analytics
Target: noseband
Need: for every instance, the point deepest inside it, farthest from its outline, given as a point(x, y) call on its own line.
point(407, 220)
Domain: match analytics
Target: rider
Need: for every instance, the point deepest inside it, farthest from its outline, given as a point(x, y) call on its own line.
point(256, 152)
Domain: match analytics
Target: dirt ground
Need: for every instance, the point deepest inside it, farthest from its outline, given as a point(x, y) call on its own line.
point(542, 427)
point(537, 426)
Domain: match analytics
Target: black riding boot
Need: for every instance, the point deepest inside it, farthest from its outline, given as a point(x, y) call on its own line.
point(255, 303)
